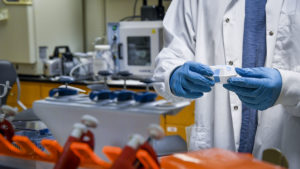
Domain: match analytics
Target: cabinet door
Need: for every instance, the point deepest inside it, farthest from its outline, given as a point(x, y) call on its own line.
point(185, 117)
point(30, 91)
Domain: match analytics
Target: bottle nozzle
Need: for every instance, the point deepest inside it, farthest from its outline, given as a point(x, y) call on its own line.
point(78, 130)
point(156, 132)
point(135, 141)
point(89, 121)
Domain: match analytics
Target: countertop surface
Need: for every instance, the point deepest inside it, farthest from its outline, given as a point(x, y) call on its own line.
point(117, 83)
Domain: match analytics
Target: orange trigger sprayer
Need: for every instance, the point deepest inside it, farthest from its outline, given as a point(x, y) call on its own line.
point(68, 160)
point(6, 128)
point(155, 133)
point(128, 156)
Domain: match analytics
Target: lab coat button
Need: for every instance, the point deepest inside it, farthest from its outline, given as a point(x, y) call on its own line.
point(236, 107)
point(230, 63)
point(227, 20)
point(271, 33)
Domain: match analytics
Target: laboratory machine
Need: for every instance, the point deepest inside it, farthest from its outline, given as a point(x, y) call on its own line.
point(135, 45)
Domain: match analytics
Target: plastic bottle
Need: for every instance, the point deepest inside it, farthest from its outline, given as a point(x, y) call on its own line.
point(68, 160)
point(155, 133)
point(6, 128)
point(103, 60)
point(128, 156)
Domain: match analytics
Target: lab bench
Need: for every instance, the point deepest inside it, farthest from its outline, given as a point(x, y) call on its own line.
point(37, 88)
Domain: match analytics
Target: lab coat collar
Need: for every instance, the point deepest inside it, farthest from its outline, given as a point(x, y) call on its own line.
point(230, 4)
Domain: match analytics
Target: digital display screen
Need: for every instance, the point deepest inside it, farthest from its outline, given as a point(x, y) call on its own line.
point(139, 51)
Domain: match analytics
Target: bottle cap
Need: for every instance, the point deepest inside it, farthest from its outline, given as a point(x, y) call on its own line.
point(102, 47)
point(89, 121)
point(156, 132)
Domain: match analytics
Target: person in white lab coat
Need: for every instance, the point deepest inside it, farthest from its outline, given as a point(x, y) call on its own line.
point(199, 34)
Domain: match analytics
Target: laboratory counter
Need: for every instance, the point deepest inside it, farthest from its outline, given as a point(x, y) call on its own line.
point(115, 83)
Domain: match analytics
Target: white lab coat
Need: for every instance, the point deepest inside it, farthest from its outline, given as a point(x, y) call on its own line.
point(211, 32)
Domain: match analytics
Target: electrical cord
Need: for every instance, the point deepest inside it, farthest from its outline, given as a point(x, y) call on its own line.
point(19, 95)
point(79, 66)
point(5, 86)
point(130, 18)
point(134, 7)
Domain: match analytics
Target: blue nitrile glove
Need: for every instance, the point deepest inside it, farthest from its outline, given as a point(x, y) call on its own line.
point(258, 88)
point(191, 80)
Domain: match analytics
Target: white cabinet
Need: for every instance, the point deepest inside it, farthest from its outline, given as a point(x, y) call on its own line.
point(34, 26)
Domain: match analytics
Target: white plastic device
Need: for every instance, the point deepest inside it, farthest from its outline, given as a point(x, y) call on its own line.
point(222, 73)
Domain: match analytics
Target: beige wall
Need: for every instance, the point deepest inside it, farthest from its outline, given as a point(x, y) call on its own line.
point(94, 21)
point(97, 16)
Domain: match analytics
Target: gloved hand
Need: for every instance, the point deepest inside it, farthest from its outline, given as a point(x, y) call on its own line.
point(191, 80)
point(258, 88)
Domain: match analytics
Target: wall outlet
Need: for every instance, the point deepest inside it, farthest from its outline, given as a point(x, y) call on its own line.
point(3, 14)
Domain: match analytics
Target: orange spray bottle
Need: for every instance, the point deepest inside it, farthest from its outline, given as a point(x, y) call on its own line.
point(6, 128)
point(68, 160)
point(155, 133)
point(128, 156)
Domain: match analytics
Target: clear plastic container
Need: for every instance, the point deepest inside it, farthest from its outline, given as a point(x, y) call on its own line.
point(222, 73)
point(102, 59)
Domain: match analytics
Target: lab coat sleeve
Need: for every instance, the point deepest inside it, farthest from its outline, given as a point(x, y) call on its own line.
point(179, 44)
point(290, 91)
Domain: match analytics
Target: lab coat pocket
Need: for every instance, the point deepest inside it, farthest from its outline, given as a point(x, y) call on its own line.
point(286, 21)
point(288, 10)
point(287, 45)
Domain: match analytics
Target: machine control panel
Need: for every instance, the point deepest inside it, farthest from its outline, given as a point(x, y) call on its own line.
point(113, 33)
point(17, 2)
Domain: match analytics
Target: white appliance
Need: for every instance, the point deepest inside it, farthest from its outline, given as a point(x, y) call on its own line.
point(31, 26)
point(117, 121)
point(139, 43)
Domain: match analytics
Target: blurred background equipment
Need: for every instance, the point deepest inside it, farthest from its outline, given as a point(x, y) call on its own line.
point(34, 25)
